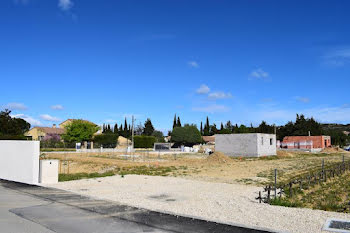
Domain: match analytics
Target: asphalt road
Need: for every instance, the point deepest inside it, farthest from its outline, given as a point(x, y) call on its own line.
point(23, 213)
point(27, 208)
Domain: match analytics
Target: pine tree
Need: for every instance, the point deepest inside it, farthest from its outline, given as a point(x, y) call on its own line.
point(149, 129)
point(221, 127)
point(174, 122)
point(201, 129)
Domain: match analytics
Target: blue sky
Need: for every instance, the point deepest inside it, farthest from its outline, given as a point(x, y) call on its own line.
point(243, 61)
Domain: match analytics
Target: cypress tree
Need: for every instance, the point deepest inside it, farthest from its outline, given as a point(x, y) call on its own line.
point(201, 129)
point(206, 131)
point(174, 122)
point(178, 123)
point(116, 128)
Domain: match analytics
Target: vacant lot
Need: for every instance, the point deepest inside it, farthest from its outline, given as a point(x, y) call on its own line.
point(214, 168)
point(229, 203)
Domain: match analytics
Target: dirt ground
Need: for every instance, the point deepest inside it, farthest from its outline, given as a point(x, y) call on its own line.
point(214, 168)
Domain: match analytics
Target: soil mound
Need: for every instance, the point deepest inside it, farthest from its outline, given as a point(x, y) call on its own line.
point(218, 157)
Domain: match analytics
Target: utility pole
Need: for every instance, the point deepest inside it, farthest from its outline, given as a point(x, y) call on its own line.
point(132, 132)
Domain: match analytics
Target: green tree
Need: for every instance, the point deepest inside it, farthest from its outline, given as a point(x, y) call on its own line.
point(158, 135)
point(206, 131)
point(149, 129)
point(213, 130)
point(201, 129)
point(188, 135)
point(116, 130)
point(178, 123)
point(174, 122)
point(79, 131)
point(12, 128)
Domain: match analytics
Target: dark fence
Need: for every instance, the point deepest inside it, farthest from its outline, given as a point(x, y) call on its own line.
point(290, 188)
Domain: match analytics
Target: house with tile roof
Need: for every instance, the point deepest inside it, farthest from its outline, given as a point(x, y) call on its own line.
point(40, 133)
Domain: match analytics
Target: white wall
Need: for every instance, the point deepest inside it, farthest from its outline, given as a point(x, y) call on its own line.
point(19, 161)
point(246, 145)
point(237, 144)
point(264, 146)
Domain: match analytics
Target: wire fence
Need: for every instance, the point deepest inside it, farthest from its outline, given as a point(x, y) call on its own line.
point(303, 182)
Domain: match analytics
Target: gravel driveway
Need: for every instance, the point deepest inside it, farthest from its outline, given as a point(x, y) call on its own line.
point(227, 203)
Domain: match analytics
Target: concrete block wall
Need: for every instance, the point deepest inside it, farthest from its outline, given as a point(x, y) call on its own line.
point(246, 145)
point(266, 144)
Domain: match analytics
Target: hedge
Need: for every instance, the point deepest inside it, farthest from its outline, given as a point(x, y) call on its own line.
point(108, 140)
point(144, 141)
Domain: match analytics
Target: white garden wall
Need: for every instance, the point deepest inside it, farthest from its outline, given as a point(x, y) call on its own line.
point(19, 161)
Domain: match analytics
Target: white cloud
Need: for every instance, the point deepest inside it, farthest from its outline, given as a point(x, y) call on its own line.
point(203, 89)
point(259, 74)
point(21, 2)
point(337, 57)
point(193, 64)
point(211, 108)
point(57, 107)
point(111, 121)
point(65, 5)
point(337, 114)
point(302, 99)
point(219, 95)
point(47, 117)
point(16, 106)
point(29, 119)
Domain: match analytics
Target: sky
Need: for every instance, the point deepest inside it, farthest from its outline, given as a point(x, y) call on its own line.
point(244, 61)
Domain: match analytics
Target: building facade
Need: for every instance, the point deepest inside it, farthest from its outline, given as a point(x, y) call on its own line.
point(246, 145)
point(42, 133)
point(306, 142)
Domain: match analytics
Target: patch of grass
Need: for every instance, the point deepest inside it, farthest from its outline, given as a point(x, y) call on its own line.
point(144, 170)
point(56, 149)
point(286, 202)
point(78, 176)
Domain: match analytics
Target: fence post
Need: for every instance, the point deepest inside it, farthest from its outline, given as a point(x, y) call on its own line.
point(275, 183)
point(322, 169)
point(259, 196)
point(290, 189)
point(268, 193)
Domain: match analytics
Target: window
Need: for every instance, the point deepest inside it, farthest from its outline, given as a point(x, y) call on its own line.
point(271, 141)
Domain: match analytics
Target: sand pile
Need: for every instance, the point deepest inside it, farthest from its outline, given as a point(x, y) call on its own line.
point(218, 157)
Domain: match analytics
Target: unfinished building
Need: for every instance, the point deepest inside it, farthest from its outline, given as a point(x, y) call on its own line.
point(246, 145)
point(306, 142)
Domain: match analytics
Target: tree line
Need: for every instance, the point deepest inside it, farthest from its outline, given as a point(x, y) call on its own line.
point(78, 131)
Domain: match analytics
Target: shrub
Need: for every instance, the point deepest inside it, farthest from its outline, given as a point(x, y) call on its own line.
point(144, 141)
